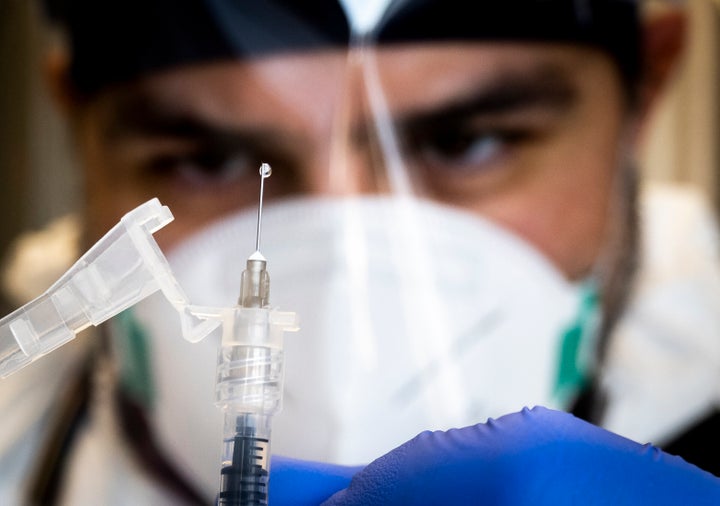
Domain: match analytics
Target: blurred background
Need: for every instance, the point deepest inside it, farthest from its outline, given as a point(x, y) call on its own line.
point(37, 172)
point(38, 180)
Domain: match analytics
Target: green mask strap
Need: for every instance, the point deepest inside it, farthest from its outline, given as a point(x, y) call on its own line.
point(576, 353)
point(133, 349)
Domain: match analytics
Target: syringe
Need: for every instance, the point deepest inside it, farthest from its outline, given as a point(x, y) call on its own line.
point(249, 381)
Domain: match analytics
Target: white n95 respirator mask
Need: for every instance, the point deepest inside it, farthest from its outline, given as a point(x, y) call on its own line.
point(412, 316)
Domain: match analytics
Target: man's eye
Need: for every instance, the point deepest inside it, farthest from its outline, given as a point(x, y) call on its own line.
point(465, 150)
point(202, 168)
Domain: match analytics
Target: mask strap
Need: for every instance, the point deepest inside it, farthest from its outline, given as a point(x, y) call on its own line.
point(133, 348)
point(577, 348)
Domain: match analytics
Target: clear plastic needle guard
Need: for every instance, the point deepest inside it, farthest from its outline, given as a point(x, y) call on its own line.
point(121, 269)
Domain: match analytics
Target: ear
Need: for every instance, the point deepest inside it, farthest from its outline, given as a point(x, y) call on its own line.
point(663, 43)
point(56, 73)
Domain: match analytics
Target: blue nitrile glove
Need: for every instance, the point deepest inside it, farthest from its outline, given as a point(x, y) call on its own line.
point(304, 483)
point(537, 456)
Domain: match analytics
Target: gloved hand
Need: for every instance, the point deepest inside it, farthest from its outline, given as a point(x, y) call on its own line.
point(304, 483)
point(536, 456)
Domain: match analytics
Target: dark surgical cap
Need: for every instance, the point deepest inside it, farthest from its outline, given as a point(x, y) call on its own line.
point(113, 41)
point(609, 25)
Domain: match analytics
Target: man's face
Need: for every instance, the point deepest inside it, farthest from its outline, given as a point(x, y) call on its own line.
point(526, 135)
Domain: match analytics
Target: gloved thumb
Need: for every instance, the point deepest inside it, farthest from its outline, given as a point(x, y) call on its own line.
point(295, 482)
point(537, 456)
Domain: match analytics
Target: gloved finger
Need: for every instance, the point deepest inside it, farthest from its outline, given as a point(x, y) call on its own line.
point(300, 482)
point(536, 456)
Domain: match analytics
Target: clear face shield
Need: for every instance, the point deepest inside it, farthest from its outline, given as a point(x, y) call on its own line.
point(437, 212)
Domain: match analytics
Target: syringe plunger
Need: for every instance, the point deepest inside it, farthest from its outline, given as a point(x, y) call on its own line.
point(245, 471)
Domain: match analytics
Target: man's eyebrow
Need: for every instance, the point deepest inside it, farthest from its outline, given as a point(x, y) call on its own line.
point(510, 92)
point(144, 119)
